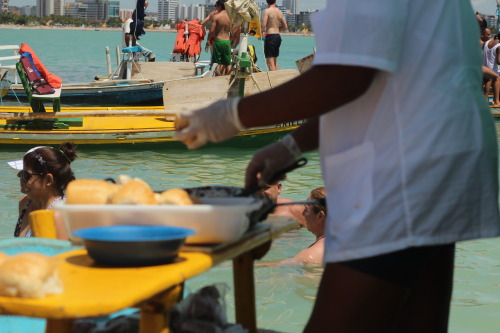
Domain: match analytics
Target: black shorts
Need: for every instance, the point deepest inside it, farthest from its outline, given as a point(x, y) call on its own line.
point(401, 267)
point(272, 46)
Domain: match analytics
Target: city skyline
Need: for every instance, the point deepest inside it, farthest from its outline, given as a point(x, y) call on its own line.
point(153, 4)
point(482, 6)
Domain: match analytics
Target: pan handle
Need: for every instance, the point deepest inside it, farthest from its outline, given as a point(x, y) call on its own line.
point(253, 189)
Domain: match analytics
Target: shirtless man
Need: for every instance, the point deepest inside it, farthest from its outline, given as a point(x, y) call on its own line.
point(272, 24)
point(293, 211)
point(315, 216)
point(220, 34)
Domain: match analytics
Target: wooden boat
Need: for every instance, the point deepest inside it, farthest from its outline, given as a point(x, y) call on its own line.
point(135, 81)
point(116, 126)
point(110, 126)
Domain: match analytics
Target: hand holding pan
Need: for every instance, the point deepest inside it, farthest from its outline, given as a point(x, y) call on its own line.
point(255, 188)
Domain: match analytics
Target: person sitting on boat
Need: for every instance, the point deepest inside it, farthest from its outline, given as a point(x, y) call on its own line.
point(220, 31)
point(128, 39)
point(44, 174)
point(293, 211)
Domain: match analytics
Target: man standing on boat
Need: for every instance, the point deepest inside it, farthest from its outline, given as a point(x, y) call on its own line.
point(220, 33)
point(272, 24)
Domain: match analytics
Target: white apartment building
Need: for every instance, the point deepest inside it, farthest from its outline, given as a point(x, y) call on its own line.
point(167, 10)
point(292, 5)
point(49, 7)
point(4, 6)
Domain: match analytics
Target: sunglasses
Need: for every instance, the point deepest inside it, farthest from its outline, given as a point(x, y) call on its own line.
point(25, 175)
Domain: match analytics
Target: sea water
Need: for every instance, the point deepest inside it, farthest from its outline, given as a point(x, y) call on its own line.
point(285, 295)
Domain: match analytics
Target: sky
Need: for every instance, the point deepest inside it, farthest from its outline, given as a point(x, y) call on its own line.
point(482, 6)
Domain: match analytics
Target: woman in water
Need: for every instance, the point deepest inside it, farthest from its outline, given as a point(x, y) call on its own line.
point(45, 173)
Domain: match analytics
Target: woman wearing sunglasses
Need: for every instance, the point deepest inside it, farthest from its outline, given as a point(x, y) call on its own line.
point(44, 174)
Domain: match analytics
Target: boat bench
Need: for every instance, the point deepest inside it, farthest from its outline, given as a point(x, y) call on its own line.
point(36, 101)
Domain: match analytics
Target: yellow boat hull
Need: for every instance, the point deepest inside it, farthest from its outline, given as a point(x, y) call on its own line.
point(112, 129)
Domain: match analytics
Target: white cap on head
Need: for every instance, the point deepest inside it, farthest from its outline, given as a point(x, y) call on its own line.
point(18, 165)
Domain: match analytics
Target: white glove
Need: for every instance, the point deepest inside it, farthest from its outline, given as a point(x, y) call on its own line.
point(266, 161)
point(215, 123)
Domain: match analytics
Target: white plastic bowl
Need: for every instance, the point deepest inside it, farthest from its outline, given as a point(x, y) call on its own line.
point(217, 220)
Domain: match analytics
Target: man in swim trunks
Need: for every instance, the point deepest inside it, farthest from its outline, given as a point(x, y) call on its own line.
point(272, 23)
point(220, 33)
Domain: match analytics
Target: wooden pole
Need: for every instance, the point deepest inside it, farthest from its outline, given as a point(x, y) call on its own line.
point(78, 114)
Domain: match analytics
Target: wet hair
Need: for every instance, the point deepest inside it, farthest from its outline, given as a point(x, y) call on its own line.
point(57, 162)
point(221, 3)
point(318, 193)
point(271, 2)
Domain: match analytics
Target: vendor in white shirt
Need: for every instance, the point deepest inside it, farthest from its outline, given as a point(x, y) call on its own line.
point(408, 154)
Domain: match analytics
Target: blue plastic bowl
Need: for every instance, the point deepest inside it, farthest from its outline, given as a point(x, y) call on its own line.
point(133, 245)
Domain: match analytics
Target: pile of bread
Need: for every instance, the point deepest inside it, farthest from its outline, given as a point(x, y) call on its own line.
point(126, 191)
point(29, 275)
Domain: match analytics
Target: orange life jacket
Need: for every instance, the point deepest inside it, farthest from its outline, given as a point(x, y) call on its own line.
point(53, 80)
point(180, 41)
point(196, 35)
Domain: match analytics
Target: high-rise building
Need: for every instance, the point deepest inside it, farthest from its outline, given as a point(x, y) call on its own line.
point(292, 5)
point(98, 10)
point(166, 10)
point(181, 12)
point(44, 7)
point(113, 9)
point(27, 10)
point(77, 9)
point(196, 11)
point(49, 7)
point(4, 6)
point(58, 7)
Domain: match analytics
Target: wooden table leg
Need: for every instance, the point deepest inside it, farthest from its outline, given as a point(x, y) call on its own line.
point(59, 325)
point(244, 291)
point(155, 312)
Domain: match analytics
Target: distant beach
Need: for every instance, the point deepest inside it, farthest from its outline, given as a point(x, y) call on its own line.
point(43, 27)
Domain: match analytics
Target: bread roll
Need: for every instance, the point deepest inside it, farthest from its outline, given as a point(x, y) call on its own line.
point(29, 275)
point(177, 196)
point(134, 191)
point(90, 191)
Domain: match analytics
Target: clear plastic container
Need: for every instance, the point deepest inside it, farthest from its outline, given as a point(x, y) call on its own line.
point(216, 220)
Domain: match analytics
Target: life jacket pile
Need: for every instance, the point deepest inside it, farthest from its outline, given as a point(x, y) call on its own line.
point(54, 80)
point(192, 45)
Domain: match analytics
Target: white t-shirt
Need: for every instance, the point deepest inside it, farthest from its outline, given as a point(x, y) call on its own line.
point(413, 161)
point(125, 30)
point(490, 56)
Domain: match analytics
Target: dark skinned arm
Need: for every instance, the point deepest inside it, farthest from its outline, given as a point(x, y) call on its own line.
point(315, 92)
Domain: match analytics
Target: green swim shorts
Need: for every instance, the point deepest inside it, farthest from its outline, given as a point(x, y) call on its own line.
point(221, 52)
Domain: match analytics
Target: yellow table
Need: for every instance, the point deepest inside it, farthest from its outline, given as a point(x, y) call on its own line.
point(93, 290)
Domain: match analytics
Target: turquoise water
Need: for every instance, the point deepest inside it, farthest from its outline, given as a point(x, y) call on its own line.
point(285, 295)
